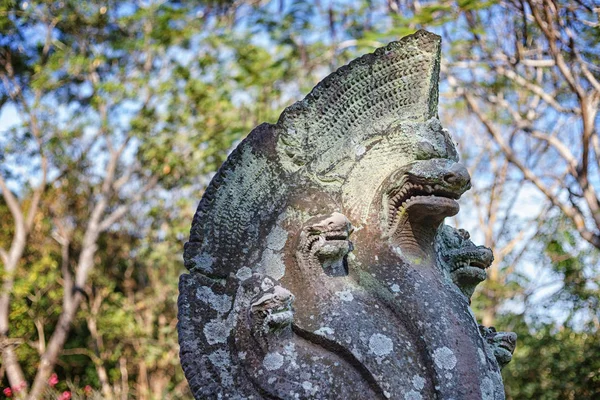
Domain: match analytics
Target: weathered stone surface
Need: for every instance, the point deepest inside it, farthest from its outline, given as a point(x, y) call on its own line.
point(319, 263)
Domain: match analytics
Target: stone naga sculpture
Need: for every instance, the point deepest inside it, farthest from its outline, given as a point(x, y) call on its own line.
point(312, 256)
point(461, 260)
point(502, 344)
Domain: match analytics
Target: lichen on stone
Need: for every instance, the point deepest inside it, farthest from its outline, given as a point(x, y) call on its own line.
point(216, 331)
point(218, 302)
point(444, 358)
point(273, 361)
point(380, 345)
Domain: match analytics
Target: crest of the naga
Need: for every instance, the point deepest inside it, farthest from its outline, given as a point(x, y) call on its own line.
point(315, 271)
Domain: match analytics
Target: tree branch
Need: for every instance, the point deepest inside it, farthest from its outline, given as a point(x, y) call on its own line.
point(15, 210)
point(575, 216)
point(120, 211)
point(548, 98)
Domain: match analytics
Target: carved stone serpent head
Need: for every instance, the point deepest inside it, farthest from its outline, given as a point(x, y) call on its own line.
point(463, 261)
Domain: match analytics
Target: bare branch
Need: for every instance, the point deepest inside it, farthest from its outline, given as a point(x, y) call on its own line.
point(111, 167)
point(118, 184)
point(14, 208)
point(120, 211)
point(83, 352)
point(546, 25)
point(538, 63)
point(548, 98)
point(39, 326)
point(573, 214)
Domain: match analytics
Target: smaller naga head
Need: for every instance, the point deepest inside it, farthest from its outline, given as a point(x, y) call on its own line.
point(324, 241)
point(462, 259)
point(271, 309)
point(502, 343)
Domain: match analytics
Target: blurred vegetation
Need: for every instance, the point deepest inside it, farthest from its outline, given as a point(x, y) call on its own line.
point(114, 115)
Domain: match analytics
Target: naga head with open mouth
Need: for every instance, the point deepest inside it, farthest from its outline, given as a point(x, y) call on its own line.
point(419, 197)
point(325, 242)
point(502, 343)
point(461, 259)
point(271, 309)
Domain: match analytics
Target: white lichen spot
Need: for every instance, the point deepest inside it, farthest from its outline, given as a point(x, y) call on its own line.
point(242, 355)
point(395, 288)
point(216, 332)
point(380, 345)
point(204, 262)
point(413, 395)
point(277, 238)
point(220, 358)
point(272, 264)
point(448, 375)
point(418, 382)
point(346, 295)
point(273, 361)
point(218, 302)
point(487, 389)
point(306, 385)
point(444, 358)
point(324, 331)
point(244, 273)
point(387, 394)
point(272, 380)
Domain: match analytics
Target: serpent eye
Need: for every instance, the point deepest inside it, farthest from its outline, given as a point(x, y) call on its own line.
point(425, 151)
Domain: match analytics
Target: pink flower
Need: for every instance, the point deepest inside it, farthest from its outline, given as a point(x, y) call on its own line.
point(7, 392)
point(53, 380)
point(65, 396)
point(87, 390)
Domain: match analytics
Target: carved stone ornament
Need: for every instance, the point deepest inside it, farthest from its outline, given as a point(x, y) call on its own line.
point(319, 264)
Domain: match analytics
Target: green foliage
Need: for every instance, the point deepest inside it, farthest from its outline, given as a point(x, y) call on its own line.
point(552, 362)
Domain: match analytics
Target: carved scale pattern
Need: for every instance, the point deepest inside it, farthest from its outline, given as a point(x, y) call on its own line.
point(373, 91)
point(385, 86)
